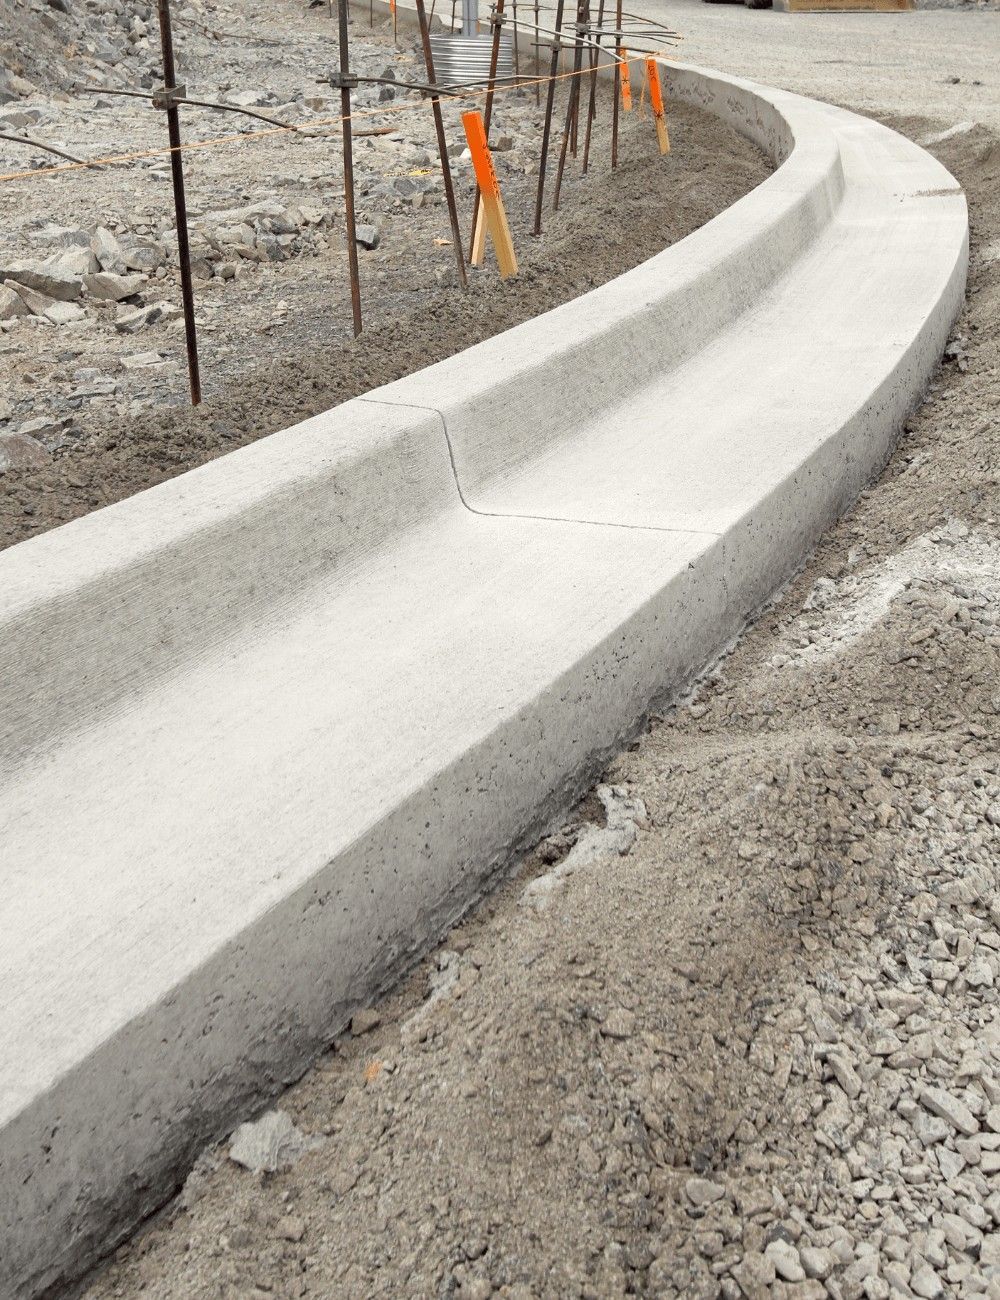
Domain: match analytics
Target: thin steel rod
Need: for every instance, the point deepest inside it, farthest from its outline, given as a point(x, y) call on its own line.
point(48, 148)
point(550, 94)
point(592, 107)
point(647, 34)
point(583, 37)
point(205, 103)
point(538, 62)
point(180, 203)
point(487, 112)
point(442, 139)
point(517, 57)
point(345, 113)
point(618, 86)
point(571, 108)
point(575, 98)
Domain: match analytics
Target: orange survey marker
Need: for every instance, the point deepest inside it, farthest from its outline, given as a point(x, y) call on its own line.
point(626, 82)
point(492, 208)
point(656, 100)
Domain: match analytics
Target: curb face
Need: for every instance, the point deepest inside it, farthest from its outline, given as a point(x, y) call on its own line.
point(267, 729)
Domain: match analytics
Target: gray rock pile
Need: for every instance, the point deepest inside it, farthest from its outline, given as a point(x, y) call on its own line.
point(91, 272)
point(52, 44)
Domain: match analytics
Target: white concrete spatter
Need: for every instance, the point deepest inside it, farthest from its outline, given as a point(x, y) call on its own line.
point(267, 728)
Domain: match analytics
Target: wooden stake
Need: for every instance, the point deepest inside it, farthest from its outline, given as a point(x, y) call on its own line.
point(478, 253)
point(626, 82)
point(488, 114)
point(656, 102)
point(492, 204)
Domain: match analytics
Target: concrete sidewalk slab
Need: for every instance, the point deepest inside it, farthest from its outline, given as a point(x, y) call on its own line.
point(267, 729)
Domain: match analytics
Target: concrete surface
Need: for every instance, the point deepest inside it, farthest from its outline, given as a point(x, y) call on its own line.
point(267, 728)
point(938, 63)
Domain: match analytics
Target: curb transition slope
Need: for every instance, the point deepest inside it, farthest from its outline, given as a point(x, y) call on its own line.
point(267, 729)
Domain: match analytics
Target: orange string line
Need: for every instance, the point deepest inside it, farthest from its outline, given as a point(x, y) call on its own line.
point(137, 155)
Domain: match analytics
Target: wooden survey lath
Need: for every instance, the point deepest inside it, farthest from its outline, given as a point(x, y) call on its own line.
point(656, 101)
point(492, 209)
point(626, 82)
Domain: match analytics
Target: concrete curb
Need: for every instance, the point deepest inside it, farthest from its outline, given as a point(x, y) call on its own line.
point(266, 729)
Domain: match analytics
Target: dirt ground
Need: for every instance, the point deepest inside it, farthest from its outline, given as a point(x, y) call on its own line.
point(108, 405)
point(733, 1030)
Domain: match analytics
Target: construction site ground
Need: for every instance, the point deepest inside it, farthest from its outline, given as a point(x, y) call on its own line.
point(733, 1028)
point(99, 383)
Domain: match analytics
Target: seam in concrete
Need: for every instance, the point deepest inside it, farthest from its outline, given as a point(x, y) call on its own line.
point(516, 514)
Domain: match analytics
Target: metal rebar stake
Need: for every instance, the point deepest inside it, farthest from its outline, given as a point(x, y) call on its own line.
point(574, 96)
point(595, 55)
point(442, 139)
point(180, 203)
point(618, 85)
point(345, 115)
point(572, 106)
point(550, 95)
point(517, 57)
point(538, 62)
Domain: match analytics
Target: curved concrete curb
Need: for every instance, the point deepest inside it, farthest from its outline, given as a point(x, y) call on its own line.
point(266, 729)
